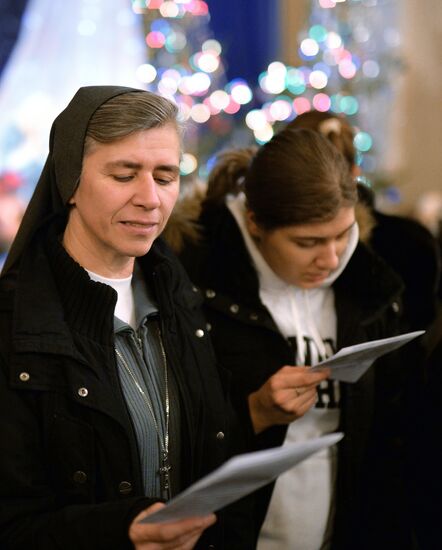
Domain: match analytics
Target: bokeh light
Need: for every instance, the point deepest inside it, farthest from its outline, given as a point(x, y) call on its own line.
point(146, 73)
point(167, 86)
point(321, 102)
point(220, 99)
point(295, 81)
point(327, 3)
point(363, 141)
point(333, 40)
point(208, 61)
point(301, 105)
point(155, 39)
point(280, 109)
point(318, 33)
point(272, 83)
point(318, 79)
point(240, 91)
point(175, 42)
point(347, 69)
point(309, 47)
point(169, 9)
point(256, 119)
point(263, 134)
point(212, 46)
point(232, 108)
point(349, 105)
point(188, 164)
point(200, 113)
point(370, 68)
point(200, 83)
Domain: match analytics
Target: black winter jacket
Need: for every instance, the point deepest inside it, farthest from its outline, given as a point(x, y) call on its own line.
point(369, 504)
point(70, 475)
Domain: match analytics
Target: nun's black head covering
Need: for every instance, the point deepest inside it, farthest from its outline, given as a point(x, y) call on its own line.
point(62, 169)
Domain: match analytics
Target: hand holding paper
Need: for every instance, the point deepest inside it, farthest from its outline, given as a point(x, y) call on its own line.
point(349, 364)
point(238, 477)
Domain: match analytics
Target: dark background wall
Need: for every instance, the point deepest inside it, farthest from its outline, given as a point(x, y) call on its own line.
point(248, 30)
point(11, 12)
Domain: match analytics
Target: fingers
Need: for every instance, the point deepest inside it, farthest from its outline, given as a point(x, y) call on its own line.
point(149, 511)
point(293, 400)
point(295, 377)
point(301, 390)
point(285, 396)
point(309, 400)
point(290, 382)
point(180, 535)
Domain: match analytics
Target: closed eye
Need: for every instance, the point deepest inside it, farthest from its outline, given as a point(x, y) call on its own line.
point(307, 243)
point(163, 181)
point(123, 179)
point(343, 235)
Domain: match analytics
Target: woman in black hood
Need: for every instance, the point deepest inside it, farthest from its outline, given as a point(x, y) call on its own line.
point(100, 335)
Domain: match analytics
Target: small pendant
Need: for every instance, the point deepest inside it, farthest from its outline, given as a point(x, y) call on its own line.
point(164, 477)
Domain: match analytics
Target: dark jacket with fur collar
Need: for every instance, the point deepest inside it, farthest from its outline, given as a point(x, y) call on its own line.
point(70, 475)
point(369, 511)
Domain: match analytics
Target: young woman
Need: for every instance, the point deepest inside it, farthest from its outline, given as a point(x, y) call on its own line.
point(287, 282)
point(405, 244)
point(110, 399)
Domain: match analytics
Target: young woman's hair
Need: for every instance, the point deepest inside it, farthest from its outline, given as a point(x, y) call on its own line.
point(128, 113)
point(228, 173)
point(334, 127)
point(297, 177)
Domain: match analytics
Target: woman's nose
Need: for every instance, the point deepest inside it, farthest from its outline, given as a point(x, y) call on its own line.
point(146, 194)
point(328, 257)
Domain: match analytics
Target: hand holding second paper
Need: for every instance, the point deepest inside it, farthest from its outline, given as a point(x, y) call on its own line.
point(177, 535)
point(284, 397)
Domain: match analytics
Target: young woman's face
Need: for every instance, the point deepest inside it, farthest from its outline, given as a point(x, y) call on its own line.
point(305, 255)
point(126, 193)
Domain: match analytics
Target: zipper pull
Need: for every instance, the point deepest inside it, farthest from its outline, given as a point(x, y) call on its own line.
point(137, 340)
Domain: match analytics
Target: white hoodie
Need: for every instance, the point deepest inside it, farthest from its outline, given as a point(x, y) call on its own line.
point(301, 509)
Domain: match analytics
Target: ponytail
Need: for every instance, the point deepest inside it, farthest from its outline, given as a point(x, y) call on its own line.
point(336, 128)
point(227, 175)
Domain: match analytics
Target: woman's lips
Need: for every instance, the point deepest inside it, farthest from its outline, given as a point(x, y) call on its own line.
point(143, 227)
point(317, 276)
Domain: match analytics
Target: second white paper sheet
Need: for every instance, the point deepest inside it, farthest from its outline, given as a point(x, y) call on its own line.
point(238, 477)
point(349, 364)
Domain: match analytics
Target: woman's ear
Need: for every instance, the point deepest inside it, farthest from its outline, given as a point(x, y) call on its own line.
point(71, 201)
point(252, 227)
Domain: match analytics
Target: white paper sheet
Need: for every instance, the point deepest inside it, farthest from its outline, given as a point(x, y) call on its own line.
point(349, 364)
point(238, 477)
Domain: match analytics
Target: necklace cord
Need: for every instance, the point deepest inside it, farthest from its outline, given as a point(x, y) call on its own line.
point(165, 467)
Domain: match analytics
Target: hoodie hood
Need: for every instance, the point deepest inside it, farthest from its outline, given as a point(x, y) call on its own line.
point(268, 278)
point(305, 314)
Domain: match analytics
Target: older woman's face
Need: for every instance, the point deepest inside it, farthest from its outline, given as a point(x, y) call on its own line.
point(305, 255)
point(126, 194)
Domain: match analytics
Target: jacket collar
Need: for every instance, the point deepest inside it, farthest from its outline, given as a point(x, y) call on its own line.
point(369, 284)
point(68, 301)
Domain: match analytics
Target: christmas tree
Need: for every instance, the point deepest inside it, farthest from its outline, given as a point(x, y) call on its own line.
point(347, 53)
